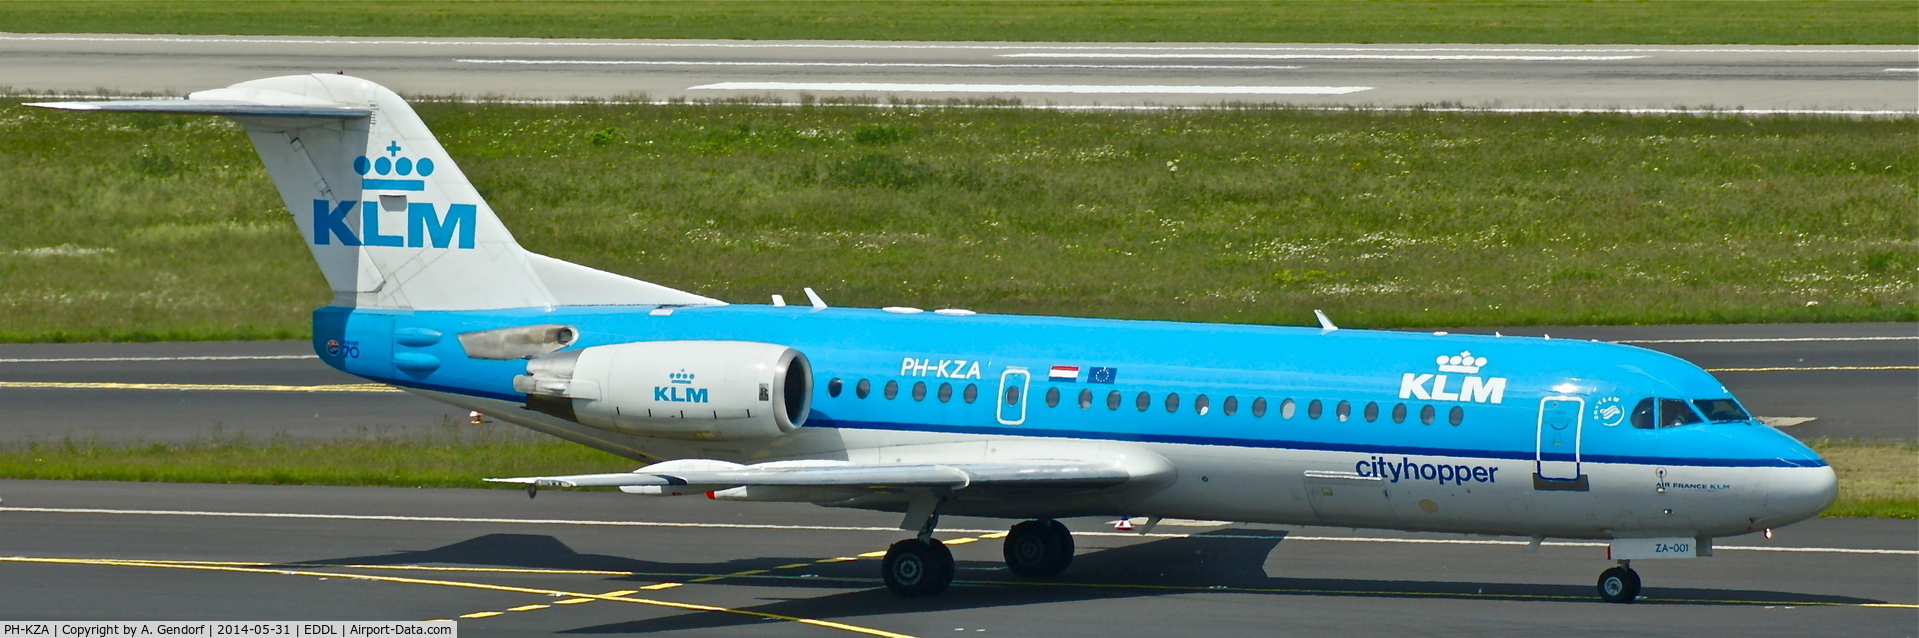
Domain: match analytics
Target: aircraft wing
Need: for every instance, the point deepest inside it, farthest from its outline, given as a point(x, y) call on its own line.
point(950, 476)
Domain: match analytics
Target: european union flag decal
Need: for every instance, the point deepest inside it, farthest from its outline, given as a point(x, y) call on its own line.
point(1102, 375)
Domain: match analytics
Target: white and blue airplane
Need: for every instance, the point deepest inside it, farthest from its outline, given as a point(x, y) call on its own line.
point(952, 412)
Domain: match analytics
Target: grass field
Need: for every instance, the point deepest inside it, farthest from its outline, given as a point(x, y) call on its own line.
point(1875, 480)
point(1359, 21)
point(165, 227)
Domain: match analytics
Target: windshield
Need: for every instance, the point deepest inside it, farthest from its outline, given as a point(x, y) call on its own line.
point(1666, 413)
point(1722, 410)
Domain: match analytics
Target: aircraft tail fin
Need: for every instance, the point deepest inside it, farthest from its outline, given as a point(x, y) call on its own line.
point(389, 216)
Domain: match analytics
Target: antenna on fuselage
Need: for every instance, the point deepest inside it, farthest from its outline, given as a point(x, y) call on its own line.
point(1325, 325)
point(779, 301)
point(818, 304)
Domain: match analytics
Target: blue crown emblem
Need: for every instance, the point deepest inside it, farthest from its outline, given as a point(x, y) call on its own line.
point(394, 165)
point(682, 377)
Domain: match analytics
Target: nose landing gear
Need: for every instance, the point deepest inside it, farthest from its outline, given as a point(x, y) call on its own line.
point(1619, 584)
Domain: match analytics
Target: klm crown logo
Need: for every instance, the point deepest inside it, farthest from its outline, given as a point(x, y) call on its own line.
point(1462, 362)
point(425, 226)
point(674, 393)
point(392, 164)
point(1437, 387)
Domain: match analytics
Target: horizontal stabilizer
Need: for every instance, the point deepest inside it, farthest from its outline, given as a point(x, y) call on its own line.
point(847, 475)
point(213, 107)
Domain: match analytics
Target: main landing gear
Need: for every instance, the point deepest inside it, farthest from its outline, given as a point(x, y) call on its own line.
point(1619, 584)
point(924, 566)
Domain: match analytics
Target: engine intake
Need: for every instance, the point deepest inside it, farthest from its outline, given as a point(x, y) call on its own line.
point(716, 390)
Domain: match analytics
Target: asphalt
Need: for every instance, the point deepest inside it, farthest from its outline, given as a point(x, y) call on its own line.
point(1856, 381)
point(1860, 80)
point(120, 551)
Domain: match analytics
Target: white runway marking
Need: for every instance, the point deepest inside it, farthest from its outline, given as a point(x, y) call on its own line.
point(981, 46)
point(1902, 70)
point(878, 65)
point(1030, 88)
point(890, 530)
point(1333, 56)
point(271, 357)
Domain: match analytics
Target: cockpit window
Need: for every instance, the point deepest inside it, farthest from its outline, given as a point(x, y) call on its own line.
point(1722, 410)
point(1642, 414)
point(1675, 412)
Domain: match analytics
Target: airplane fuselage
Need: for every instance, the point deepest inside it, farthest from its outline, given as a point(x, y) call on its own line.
point(1499, 435)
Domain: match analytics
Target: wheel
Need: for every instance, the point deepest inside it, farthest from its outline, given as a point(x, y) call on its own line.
point(914, 568)
point(1618, 585)
point(1065, 537)
point(1037, 549)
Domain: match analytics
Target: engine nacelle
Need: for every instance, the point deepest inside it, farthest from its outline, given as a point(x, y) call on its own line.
point(715, 390)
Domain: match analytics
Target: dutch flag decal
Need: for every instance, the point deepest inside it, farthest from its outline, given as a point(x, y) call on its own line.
point(1068, 374)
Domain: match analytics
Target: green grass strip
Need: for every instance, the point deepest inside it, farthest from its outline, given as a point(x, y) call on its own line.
point(447, 457)
point(1352, 21)
point(1875, 480)
point(144, 227)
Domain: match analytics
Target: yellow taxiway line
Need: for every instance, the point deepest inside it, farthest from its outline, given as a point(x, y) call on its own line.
point(621, 598)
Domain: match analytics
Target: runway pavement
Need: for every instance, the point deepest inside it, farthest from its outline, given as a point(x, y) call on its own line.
point(609, 563)
point(1858, 80)
point(1858, 381)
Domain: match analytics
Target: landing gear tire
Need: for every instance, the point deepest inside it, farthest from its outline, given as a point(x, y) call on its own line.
point(1619, 585)
point(917, 568)
point(1037, 549)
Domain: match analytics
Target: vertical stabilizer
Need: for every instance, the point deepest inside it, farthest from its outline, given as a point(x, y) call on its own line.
point(389, 216)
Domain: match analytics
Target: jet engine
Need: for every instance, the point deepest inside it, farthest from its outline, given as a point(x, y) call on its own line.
point(713, 390)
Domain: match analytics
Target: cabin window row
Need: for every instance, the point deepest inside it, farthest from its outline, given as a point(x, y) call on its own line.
point(1143, 401)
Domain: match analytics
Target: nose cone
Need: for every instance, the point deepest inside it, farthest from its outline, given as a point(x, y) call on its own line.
point(1799, 493)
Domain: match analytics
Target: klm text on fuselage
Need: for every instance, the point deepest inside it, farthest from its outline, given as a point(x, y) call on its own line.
point(424, 225)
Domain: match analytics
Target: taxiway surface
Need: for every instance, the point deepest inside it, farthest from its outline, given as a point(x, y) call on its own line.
point(1868, 80)
point(609, 563)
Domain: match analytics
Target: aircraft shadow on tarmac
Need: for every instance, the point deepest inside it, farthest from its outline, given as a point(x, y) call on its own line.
point(1225, 560)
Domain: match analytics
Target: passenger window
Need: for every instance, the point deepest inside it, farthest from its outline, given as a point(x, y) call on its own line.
point(1314, 409)
point(1143, 401)
point(1259, 407)
point(919, 391)
point(864, 388)
point(833, 388)
point(892, 389)
point(1201, 405)
point(1344, 411)
point(1456, 415)
point(946, 392)
point(1426, 414)
point(1052, 397)
point(1372, 412)
point(1642, 414)
point(1230, 405)
point(1399, 413)
point(1012, 395)
point(1085, 399)
point(1674, 412)
point(1172, 402)
point(1287, 409)
point(971, 394)
point(1722, 410)
point(1112, 400)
